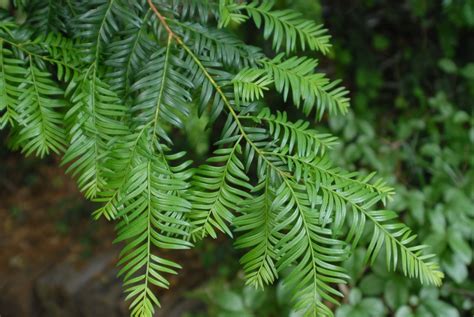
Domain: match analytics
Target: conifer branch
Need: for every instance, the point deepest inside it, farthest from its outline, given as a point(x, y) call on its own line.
point(135, 75)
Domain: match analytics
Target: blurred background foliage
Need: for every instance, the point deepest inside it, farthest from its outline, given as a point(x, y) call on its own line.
point(410, 68)
point(409, 65)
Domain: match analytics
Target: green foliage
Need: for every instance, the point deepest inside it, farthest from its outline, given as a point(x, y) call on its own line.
point(217, 191)
point(414, 120)
point(111, 89)
point(41, 129)
point(93, 121)
point(224, 298)
point(296, 76)
point(9, 89)
point(286, 27)
point(152, 217)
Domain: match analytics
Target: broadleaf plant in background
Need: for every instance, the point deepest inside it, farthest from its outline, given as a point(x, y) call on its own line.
point(419, 138)
point(110, 84)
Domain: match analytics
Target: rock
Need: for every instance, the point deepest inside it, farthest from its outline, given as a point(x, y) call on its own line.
point(91, 289)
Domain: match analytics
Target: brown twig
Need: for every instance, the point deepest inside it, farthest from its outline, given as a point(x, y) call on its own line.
point(163, 21)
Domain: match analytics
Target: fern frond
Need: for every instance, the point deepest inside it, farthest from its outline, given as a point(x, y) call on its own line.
point(94, 125)
point(44, 16)
point(249, 84)
point(162, 92)
point(340, 188)
point(160, 87)
point(218, 45)
point(323, 172)
point(293, 76)
point(129, 54)
point(49, 49)
point(397, 237)
point(294, 212)
point(230, 12)
point(51, 16)
point(121, 163)
point(300, 245)
point(296, 75)
point(41, 130)
point(203, 10)
point(288, 28)
point(300, 242)
point(59, 51)
point(146, 225)
point(311, 294)
point(11, 75)
point(211, 95)
point(258, 221)
point(145, 194)
point(309, 248)
point(319, 174)
point(297, 136)
point(96, 26)
point(217, 191)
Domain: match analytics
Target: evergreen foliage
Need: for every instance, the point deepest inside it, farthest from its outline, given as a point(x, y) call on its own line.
point(109, 82)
